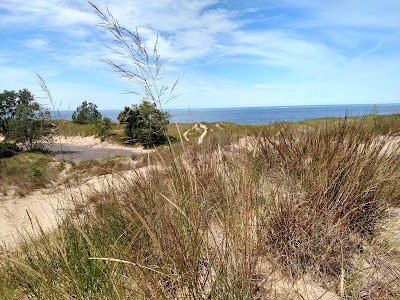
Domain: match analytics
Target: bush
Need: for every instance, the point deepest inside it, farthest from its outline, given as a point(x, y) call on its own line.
point(102, 128)
point(86, 113)
point(8, 149)
point(144, 124)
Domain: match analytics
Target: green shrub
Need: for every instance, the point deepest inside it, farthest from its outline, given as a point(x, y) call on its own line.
point(35, 173)
point(8, 149)
point(102, 128)
point(144, 124)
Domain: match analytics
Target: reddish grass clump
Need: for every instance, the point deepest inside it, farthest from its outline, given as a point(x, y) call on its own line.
point(332, 185)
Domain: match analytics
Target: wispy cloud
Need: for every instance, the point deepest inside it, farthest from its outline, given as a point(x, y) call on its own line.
point(36, 43)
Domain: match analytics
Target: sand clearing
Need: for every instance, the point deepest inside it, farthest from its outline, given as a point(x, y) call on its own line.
point(22, 215)
point(78, 148)
point(92, 142)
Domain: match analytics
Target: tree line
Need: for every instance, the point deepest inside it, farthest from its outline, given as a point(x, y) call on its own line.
point(25, 121)
point(143, 123)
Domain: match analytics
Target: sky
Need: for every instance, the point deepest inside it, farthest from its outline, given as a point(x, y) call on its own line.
point(237, 53)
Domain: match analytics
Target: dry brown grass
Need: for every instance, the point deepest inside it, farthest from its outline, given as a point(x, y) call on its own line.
point(298, 211)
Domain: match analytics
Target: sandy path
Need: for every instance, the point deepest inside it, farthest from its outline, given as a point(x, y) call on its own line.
point(197, 127)
point(204, 127)
point(186, 133)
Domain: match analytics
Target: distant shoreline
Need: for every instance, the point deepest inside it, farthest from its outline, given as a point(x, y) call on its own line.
point(260, 115)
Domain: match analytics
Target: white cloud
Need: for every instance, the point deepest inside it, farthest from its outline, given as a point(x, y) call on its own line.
point(36, 43)
point(187, 29)
point(278, 48)
point(44, 14)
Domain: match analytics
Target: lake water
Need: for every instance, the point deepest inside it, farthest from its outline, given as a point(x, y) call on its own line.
point(261, 115)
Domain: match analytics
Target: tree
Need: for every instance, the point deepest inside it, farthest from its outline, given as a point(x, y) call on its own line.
point(29, 122)
point(144, 124)
point(86, 113)
point(8, 104)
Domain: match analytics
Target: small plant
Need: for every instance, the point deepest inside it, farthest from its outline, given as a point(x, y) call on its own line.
point(35, 173)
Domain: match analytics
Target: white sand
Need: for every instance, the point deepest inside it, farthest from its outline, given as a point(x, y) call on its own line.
point(94, 142)
point(42, 207)
point(17, 215)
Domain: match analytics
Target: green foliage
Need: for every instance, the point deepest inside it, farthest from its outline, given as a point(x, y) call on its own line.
point(102, 128)
point(86, 113)
point(144, 124)
point(8, 149)
point(24, 120)
point(69, 128)
point(8, 103)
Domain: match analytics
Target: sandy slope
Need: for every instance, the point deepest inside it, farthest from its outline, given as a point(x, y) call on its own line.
point(22, 214)
point(92, 142)
point(46, 207)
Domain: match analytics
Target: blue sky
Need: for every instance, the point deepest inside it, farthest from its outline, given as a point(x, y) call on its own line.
point(226, 53)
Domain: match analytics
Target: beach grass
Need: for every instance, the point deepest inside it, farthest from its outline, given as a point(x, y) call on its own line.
point(289, 211)
point(26, 172)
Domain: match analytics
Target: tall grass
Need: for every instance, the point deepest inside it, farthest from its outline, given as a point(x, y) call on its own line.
point(219, 222)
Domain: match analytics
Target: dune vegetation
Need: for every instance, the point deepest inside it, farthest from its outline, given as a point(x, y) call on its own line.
point(290, 211)
point(307, 210)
